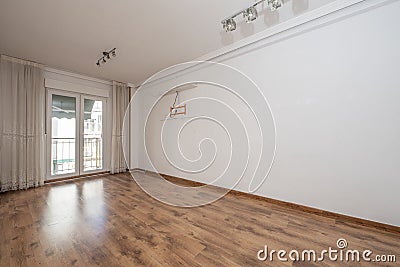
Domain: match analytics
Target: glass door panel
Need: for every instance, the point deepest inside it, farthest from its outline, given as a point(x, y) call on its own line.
point(92, 135)
point(76, 139)
point(63, 135)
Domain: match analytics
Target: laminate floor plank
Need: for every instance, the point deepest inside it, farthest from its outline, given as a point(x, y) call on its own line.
point(109, 221)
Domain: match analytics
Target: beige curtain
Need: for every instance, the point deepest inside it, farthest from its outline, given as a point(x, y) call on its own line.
point(121, 98)
point(22, 119)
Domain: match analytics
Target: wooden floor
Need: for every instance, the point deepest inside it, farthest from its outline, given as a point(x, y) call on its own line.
point(109, 221)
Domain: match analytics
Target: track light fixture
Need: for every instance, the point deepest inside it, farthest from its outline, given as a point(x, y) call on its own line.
point(275, 4)
point(106, 56)
point(249, 14)
point(229, 25)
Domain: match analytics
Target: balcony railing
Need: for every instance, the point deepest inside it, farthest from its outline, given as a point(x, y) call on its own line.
point(93, 153)
point(63, 155)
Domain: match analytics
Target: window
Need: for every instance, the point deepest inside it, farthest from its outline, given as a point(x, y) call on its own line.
point(76, 136)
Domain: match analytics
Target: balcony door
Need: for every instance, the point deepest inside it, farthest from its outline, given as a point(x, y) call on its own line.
point(75, 134)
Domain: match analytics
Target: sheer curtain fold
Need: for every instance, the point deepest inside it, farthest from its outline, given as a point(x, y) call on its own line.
point(121, 98)
point(22, 118)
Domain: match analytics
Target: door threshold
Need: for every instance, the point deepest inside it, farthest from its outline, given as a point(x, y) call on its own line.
point(75, 177)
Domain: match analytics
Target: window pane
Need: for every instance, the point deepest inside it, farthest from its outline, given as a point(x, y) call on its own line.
point(63, 135)
point(93, 135)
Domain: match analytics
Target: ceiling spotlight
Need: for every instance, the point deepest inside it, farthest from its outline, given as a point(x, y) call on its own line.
point(106, 55)
point(275, 4)
point(250, 14)
point(229, 25)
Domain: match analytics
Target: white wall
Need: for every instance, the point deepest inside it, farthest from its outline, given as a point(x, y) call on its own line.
point(334, 92)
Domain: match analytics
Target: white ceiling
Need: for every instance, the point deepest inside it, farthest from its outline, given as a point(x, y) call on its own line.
point(149, 35)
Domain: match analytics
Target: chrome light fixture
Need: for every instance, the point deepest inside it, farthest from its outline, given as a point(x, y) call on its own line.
point(275, 4)
point(250, 14)
point(229, 25)
point(106, 56)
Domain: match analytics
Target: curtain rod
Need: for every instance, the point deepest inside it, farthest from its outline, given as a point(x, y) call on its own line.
point(16, 59)
point(66, 72)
